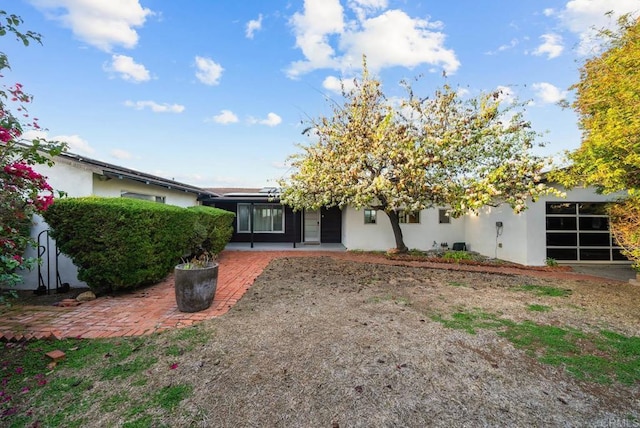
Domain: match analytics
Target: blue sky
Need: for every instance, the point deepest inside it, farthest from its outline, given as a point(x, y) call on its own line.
point(214, 93)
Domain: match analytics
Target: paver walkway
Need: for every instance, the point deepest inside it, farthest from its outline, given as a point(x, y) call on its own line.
point(154, 308)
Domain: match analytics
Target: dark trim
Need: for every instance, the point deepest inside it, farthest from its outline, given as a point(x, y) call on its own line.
point(293, 223)
point(111, 171)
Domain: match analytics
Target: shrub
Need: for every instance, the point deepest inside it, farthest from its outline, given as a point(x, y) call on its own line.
point(457, 255)
point(122, 243)
point(212, 230)
point(625, 227)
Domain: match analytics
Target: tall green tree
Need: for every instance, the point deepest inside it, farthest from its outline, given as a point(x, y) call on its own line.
point(607, 100)
point(608, 105)
point(446, 150)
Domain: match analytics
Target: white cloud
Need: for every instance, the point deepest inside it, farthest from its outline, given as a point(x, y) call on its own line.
point(321, 18)
point(33, 134)
point(253, 26)
point(155, 107)
point(462, 92)
point(334, 84)
point(585, 17)
point(209, 72)
point(271, 120)
point(392, 38)
point(548, 12)
point(551, 46)
point(225, 117)
point(512, 44)
point(100, 23)
point(128, 69)
point(506, 94)
point(76, 144)
point(548, 93)
point(121, 154)
point(362, 8)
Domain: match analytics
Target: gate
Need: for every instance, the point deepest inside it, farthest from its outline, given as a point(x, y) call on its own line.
point(48, 254)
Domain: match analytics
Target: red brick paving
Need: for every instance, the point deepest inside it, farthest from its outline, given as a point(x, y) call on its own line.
point(154, 308)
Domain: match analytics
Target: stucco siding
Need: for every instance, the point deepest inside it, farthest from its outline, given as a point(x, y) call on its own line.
point(523, 237)
point(379, 236)
point(113, 188)
point(508, 242)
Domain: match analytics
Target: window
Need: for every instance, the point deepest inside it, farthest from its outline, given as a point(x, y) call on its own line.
point(369, 216)
point(267, 218)
point(142, 196)
point(443, 217)
point(408, 217)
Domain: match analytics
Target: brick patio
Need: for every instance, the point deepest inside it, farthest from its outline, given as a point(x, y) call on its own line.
point(154, 308)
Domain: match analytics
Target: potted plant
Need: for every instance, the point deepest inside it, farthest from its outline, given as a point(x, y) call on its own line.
point(195, 283)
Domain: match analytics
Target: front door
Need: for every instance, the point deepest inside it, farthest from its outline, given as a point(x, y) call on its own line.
point(312, 226)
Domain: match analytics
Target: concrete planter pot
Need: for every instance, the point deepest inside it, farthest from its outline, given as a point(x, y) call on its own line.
point(195, 286)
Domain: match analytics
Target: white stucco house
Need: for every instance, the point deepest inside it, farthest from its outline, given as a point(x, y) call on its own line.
point(79, 176)
point(574, 229)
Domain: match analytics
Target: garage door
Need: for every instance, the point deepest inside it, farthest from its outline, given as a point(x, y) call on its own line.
point(579, 232)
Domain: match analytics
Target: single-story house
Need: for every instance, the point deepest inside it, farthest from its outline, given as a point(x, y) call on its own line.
point(79, 176)
point(574, 229)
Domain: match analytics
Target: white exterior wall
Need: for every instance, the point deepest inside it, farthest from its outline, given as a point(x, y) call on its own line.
point(523, 236)
point(113, 189)
point(356, 235)
point(481, 233)
point(78, 180)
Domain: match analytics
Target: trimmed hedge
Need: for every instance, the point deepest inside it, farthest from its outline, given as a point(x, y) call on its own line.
point(212, 230)
point(120, 243)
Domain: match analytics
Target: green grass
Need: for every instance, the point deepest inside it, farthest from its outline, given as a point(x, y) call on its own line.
point(457, 255)
point(602, 357)
point(470, 321)
point(169, 397)
point(543, 290)
point(538, 308)
point(62, 395)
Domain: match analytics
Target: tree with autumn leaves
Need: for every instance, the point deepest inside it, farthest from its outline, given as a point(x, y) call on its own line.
point(608, 105)
point(405, 156)
point(23, 191)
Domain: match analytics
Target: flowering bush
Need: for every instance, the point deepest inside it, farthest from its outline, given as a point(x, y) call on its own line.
point(23, 191)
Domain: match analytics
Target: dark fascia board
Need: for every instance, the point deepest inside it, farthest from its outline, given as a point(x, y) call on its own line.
point(260, 199)
point(118, 172)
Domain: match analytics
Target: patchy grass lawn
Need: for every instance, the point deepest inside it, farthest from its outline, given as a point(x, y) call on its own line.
point(323, 342)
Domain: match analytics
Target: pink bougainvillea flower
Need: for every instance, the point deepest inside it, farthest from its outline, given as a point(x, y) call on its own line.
point(173, 366)
point(5, 135)
point(43, 202)
point(19, 370)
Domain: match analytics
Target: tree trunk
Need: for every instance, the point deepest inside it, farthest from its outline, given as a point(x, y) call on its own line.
point(397, 231)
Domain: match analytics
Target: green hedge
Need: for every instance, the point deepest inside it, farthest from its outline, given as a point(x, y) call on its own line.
point(120, 243)
point(212, 230)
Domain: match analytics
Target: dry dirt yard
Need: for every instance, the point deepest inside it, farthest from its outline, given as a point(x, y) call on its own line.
point(320, 342)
